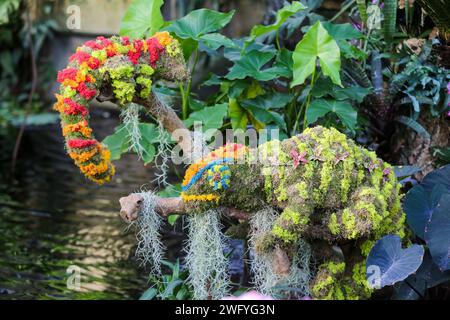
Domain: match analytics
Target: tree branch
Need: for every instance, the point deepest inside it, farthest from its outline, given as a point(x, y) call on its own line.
point(130, 207)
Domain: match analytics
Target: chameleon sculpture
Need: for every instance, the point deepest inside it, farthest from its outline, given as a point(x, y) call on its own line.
point(337, 196)
point(316, 192)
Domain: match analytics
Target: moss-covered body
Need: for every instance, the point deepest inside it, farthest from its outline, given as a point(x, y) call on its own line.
point(328, 190)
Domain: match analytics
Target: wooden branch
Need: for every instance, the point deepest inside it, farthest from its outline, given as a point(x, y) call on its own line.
point(171, 122)
point(130, 207)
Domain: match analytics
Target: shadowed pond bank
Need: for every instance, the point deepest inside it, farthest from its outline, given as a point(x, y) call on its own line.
point(52, 218)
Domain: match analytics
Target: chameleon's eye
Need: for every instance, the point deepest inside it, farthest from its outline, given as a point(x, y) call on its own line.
point(219, 176)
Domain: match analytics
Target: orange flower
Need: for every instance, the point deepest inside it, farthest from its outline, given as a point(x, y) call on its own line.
point(59, 105)
point(84, 156)
point(81, 127)
point(92, 169)
point(163, 38)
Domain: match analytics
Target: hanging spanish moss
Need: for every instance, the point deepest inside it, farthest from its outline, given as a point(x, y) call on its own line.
point(130, 119)
point(205, 258)
point(265, 278)
point(162, 158)
point(150, 249)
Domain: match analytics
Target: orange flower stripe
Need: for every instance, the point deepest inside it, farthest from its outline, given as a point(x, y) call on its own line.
point(232, 150)
point(86, 155)
point(81, 127)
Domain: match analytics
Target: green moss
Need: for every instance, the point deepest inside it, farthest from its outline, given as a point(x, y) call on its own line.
point(267, 174)
point(366, 246)
point(333, 224)
point(123, 91)
point(349, 224)
point(173, 49)
point(335, 268)
point(321, 285)
point(146, 85)
point(303, 190)
point(68, 92)
point(146, 70)
point(283, 234)
point(100, 55)
point(119, 72)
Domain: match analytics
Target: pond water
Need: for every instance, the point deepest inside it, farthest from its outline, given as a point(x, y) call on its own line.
point(52, 219)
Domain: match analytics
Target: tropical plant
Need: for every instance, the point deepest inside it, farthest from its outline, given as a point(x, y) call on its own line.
point(427, 207)
point(171, 286)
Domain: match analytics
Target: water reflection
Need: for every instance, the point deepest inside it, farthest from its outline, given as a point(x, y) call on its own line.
point(53, 218)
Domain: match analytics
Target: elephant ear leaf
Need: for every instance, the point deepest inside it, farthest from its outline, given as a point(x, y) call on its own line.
point(142, 18)
point(437, 234)
point(281, 17)
point(316, 44)
point(419, 206)
point(389, 263)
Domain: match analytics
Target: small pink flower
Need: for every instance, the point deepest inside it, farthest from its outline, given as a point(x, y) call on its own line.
point(448, 88)
point(298, 157)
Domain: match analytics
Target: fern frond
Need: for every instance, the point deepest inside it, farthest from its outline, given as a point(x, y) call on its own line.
point(413, 124)
point(354, 74)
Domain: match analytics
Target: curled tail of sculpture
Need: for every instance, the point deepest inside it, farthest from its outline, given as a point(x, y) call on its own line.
point(124, 67)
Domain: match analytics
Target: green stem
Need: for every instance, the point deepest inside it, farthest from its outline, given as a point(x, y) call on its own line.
point(186, 92)
point(345, 8)
point(184, 106)
point(365, 46)
point(277, 39)
point(308, 99)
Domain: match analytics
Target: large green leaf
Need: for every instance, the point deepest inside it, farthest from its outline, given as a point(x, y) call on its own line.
point(118, 142)
point(238, 115)
point(142, 18)
point(281, 17)
point(149, 136)
point(343, 31)
point(284, 63)
point(6, 8)
point(316, 44)
point(200, 22)
point(251, 65)
point(343, 109)
point(324, 87)
point(210, 117)
point(272, 100)
point(215, 40)
point(263, 114)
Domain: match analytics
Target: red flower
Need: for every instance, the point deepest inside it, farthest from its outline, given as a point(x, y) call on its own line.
point(154, 49)
point(135, 53)
point(68, 73)
point(74, 108)
point(93, 45)
point(125, 40)
point(85, 92)
point(80, 56)
point(93, 63)
point(79, 143)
